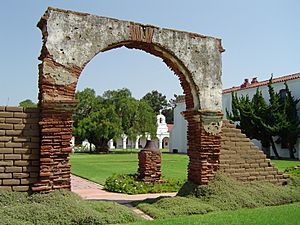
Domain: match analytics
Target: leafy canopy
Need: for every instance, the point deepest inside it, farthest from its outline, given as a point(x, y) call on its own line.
point(159, 102)
point(101, 118)
point(27, 103)
point(262, 121)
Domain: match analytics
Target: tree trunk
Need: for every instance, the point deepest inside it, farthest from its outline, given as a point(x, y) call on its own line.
point(291, 150)
point(266, 148)
point(275, 149)
point(102, 146)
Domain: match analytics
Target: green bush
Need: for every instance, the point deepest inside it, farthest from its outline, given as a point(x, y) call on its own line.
point(130, 184)
point(295, 171)
point(59, 208)
point(175, 206)
point(223, 193)
point(227, 193)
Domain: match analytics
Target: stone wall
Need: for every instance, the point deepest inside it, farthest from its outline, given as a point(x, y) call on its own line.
point(243, 160)
point(19, 148)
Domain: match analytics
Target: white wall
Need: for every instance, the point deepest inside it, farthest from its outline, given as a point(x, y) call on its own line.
point(294, 86)
point(178, 138)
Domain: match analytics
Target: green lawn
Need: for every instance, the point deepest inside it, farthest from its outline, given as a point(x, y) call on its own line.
point(97, 167)
point(283, 164)
point(275, 215)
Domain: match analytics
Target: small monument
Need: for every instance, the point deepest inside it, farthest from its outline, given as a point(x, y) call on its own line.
point(150, 163)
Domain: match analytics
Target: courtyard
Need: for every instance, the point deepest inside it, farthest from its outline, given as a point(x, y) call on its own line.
point(83, 88)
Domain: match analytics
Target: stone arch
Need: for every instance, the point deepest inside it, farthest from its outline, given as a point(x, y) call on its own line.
point(72, 39)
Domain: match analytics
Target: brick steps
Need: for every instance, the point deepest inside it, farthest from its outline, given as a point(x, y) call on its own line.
point(241, 159)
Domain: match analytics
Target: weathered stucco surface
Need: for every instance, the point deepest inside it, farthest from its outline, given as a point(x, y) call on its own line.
point(73, 39)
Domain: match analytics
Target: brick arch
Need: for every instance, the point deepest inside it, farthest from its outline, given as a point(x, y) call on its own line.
point(72, 39)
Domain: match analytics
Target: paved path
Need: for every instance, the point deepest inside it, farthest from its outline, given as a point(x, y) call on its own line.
point(92, 191)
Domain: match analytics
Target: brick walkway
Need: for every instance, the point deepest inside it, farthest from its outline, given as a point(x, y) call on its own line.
point(92, 191)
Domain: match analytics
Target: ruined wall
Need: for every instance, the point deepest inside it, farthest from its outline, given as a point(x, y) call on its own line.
point(19, 148)
point(243, 160)
point(72, 39)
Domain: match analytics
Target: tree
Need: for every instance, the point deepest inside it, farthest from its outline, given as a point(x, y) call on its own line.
point(169, 114)
point(249, 114)
point(118, 94)
point(99, 119)
point(146, 119)
point(137, 116)
point(262, 121)
point(156, 100)
point(100, 126)
point(27, 103)
point(288, 135)
point(95, 119)
point(87, 103)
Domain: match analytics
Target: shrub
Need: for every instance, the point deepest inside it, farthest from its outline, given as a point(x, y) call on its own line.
point(176, 206)
point(59, 208)
point(9, 198)
point(223, 193)
point(295, 171)
point(228, 193)
point(130, 184)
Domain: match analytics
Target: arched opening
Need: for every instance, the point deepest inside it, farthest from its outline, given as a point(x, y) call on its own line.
point(72, 39)
point(165, 143)
point(128, 144)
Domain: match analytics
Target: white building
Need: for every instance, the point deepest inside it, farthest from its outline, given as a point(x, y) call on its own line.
point(162, 137)
point(179, 132)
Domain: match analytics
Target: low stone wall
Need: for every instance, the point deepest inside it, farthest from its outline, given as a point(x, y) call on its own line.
point(19, 148)
point(243, 160)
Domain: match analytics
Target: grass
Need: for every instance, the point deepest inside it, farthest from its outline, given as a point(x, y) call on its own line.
point(98, 167)
point(275, 215)
point(223, 193)
point(59, 208)
point(283, 164)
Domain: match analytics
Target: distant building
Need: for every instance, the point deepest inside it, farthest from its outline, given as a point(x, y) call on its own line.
point(248, 87)
point(162, 137)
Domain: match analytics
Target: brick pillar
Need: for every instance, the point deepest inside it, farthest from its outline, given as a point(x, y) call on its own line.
point(56, 133)
point(204, 144)
point(150, 163)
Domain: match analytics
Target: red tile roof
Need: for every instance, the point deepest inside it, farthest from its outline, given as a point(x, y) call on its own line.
point(262, 83)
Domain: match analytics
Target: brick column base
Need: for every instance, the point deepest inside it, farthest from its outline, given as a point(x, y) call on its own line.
point(56, 134)
point(149, 165)
point(204, 141)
